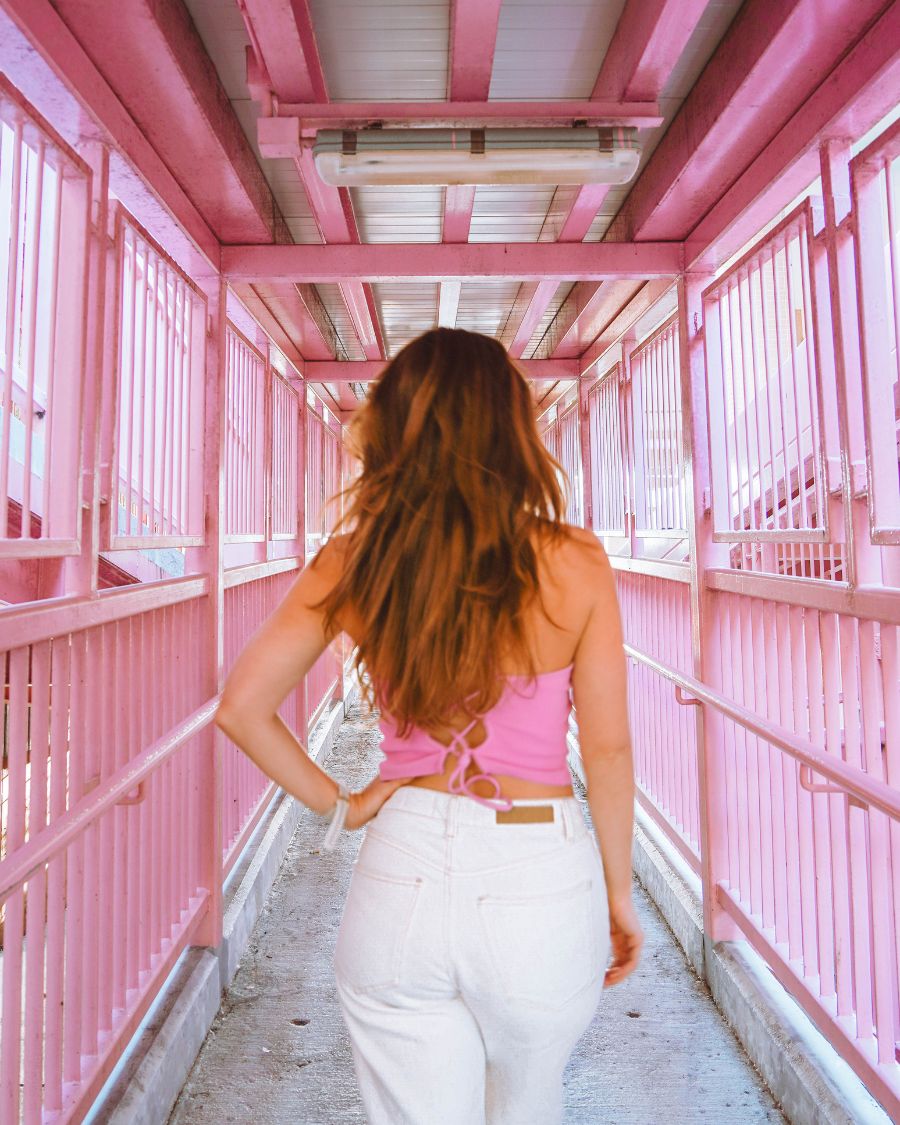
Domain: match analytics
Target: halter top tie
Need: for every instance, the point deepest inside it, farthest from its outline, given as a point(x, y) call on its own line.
point(459, 783)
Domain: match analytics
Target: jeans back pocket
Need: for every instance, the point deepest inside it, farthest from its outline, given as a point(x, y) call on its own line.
point(371, 942)
point(544, 947)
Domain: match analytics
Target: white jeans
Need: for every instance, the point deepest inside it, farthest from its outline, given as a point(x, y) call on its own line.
point(470, 959)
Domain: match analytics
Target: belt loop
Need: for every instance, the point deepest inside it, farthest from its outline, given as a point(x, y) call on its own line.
point(568, 826)
point(452, 816)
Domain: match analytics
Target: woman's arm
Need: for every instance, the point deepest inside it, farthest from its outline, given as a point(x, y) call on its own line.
point(599, 684)
point(273, 662)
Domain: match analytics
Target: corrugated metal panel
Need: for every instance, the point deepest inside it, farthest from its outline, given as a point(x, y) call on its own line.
point(484, 305)
point(552, 50)
point(222, 30)
point(221, 27)
point(405, 310)
point(509, 212)
point(559, 299)
point(340, 318)
point(376, 51)
point(699, 50)
point(397, 214)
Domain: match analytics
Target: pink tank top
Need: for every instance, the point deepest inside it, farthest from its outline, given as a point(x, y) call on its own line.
point(525, 736)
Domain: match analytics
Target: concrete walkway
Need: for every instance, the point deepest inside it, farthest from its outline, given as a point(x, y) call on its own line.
point(657, 1052)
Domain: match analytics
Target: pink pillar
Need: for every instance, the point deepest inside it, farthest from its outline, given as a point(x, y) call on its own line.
point(707, 656)
point(209, 559)
point(587, 455)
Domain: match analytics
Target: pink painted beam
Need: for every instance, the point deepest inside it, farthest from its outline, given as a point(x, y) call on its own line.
point(535, 261)
point(859, 92)
point(473, 38)
point(281, 34)
point(649, 40)
point(592, 308)
point(458, 202)
point(364, 371)
point(616, 329)
point(534, 311)
point(152, 56)
point(469, 114)
point(46, 61)
point(773, 57)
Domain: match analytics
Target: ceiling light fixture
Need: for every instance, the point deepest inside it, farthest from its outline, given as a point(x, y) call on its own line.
point(605, 155)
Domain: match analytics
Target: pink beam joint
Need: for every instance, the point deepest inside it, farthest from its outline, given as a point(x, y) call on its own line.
point(282, 33)
point(537, 306)
point(472, 43)
point(283, 42)
point(649, 40)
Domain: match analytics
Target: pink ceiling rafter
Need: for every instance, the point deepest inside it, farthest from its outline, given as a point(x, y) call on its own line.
point(364, 371)
point(473, 39)
point(745, 94)
point(649, 39)
point(282, 32)
point(522, 261)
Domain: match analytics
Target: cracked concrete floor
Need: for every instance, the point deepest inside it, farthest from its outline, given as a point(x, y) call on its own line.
point(278, 1053)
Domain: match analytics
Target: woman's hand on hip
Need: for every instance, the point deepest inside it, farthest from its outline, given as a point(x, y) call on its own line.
point(626, 938)
point(366, 803)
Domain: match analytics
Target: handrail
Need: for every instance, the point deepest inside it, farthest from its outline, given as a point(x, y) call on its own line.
point(21, 865)
point(855, 782)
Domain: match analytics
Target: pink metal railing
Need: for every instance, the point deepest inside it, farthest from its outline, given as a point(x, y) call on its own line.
point(563, 439)
point(656, 618)
point(660, 509)
point(251, 595)
point(607, 426)
point(768, 408)
point(44, 224)
point(122, 810)
point(101, 866)
point(875, 180)
point(285, 459)
point(160, 391)
point(245, 465)
point(809, 878)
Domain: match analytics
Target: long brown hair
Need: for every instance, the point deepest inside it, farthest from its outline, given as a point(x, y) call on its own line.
point(440, 564)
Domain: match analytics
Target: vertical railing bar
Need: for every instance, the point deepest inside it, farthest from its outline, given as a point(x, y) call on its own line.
point(32, 336)
point(814, 384)
point(790, 240)
point(11, 289)
point(56, 878)
point(729, 430)
point(150, 388)
point(165, 527)
point(824, 651)
point(785, 471)
point(48, 507)
point(35, 947)
point(740, 376)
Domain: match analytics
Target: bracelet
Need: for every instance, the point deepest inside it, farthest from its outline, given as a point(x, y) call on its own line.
point(338, 817)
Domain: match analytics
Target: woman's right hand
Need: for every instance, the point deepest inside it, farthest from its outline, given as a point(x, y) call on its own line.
point(627, 939)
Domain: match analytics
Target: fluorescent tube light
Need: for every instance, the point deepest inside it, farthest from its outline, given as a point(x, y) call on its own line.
point(607, 155)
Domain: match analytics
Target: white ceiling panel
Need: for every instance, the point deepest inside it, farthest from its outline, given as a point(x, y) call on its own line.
point(405, 311)
point(383, 51)
point(484, 305)
point(337, 312)
point(551, 50)
point(398, 214)
point(510, 212)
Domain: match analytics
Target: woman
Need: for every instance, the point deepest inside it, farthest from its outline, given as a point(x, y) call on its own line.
point(481, 913)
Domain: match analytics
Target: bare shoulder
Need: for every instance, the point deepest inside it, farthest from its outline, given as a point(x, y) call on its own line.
point(577, 555)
